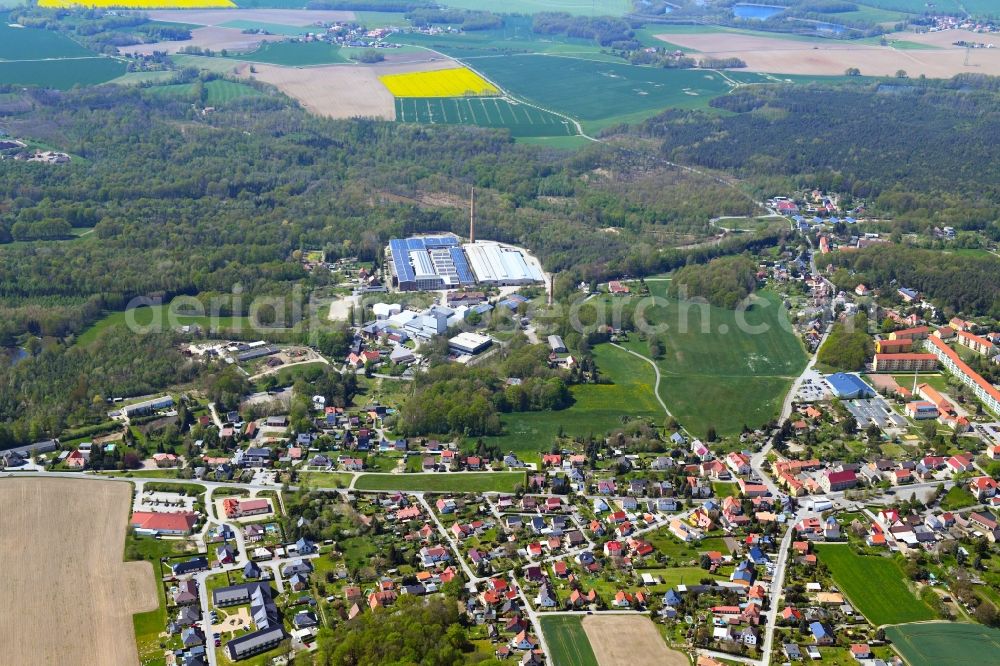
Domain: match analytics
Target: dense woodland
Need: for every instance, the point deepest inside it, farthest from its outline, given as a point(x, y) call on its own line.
point(182, 203)
point(605, 30)
point(224, 199)
point(848, 345)
point(450, 398)
point(918, 151)
point(412, 631)
point(958, 283)
point(723, 282)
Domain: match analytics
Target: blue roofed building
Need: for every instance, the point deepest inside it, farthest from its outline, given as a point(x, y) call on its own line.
point(821, 633)
point(849, 387)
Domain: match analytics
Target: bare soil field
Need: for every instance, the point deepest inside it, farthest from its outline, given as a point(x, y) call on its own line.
point(212, 38)
point(344, 91)
point(946, 38)
point(335, 91)
point(629, 640)
point(293, 17)
point(66, 596)
point(782, 56)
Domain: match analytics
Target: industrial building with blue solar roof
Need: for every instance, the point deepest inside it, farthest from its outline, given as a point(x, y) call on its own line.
point(849, 387)
point(441, 262)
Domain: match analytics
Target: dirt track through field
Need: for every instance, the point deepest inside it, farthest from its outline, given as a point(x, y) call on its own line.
point(629, 640)
point(66, 596)
point(833, 57)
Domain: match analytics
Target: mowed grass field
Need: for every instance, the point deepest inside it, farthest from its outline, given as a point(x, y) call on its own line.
point(470, 482)
point(216, 92)
point(521, 119)
point(875, 585)
point(600, 93)
point(946, 643)
point(598, 408)
point(567, 640)
point(455, 82)
point(294, 54)
point(160, 316)
point(722, 368)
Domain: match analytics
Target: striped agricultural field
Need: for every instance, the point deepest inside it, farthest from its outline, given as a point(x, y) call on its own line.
point(495, 112)
point(567, 641)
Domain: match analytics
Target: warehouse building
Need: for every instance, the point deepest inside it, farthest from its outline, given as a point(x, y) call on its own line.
point(502, 265)
point(469, 344)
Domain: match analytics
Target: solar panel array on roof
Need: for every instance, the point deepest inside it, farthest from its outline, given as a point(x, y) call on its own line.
point(401, 260)
point(431, 242)
point(461, 262)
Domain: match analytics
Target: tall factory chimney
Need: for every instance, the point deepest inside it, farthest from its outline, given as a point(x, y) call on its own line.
point(472, 216)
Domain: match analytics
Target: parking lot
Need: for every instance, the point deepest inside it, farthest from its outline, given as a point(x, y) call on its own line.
point(163, 502)
point(813, 388)
point(875, 410)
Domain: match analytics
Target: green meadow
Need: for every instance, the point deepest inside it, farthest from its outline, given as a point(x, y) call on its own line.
point(158, 317)
point(722, 368)
point(294, 54)
point(875, 585)
point(35, 44)
point(599, 93)
point(216, 92)
point(597, 408)
point(578, 7)
point(60, 73)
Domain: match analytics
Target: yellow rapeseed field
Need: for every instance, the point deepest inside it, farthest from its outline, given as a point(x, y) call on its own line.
point(138, 4)
point(458, 82)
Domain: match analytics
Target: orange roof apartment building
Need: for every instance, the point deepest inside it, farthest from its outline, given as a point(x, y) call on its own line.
point(908, 362)
point(983, 390)
point(976, 343)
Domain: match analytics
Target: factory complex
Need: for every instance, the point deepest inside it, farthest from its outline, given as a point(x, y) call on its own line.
point(442, 262)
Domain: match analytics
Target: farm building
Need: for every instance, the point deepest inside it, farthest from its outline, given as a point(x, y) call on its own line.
point(556, 344)
point(849, 387)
